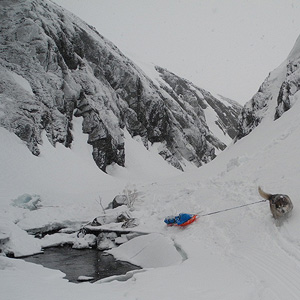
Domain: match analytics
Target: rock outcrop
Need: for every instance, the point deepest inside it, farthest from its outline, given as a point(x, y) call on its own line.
point(54, 67)
point(275, 96)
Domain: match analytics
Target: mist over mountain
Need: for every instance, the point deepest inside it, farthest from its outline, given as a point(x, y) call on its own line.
point(55, 67)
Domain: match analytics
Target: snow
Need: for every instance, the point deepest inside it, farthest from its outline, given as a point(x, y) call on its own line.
point(211, 119)
point(25, 173)
point(149, 251)
point(19, 242)
point(21, 81)
point(241, 254)
point(134, 170)
point(85, 278)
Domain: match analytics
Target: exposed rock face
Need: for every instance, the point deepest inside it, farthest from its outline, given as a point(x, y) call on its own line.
point(276, 95)
point(197, 102)
point(289, 88)
point(54, 67)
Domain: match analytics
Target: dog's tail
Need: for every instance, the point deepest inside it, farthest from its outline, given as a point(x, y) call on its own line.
point(264, 194)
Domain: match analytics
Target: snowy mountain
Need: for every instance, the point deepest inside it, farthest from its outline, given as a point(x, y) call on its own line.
point(232, 255)
point(242, 253)
point(56, 68)
point(276, 95)
point(218, 113)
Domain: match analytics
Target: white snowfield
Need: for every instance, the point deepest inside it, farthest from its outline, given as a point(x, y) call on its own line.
point(240, 254)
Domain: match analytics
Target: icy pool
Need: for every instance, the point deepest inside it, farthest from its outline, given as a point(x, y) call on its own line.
point(81, 264)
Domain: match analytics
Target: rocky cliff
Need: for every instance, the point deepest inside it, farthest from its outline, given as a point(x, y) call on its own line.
point(54, 67)
point(276, 95)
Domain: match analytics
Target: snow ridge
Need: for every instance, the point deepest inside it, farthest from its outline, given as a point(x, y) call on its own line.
point(276, 95)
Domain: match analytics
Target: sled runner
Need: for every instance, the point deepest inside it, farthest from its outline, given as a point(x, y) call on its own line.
point(180, 220)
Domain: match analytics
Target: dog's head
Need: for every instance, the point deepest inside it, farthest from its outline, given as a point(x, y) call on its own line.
point(282, 203)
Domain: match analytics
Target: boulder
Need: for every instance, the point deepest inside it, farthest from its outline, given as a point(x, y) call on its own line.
point(119, 200)
point(130, 223)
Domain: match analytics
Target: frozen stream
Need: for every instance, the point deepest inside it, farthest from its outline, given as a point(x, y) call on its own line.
point(85, 263)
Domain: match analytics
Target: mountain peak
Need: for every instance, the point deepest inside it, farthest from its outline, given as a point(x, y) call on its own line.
point(71, 71)
point(276, 95)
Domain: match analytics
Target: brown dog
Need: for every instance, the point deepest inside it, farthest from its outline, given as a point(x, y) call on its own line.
point(280, 205)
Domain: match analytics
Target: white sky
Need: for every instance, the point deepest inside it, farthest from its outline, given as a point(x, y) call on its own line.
point(224, 46)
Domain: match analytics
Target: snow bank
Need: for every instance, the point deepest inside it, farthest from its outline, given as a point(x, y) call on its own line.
point(16, 241)
point(55, 173)
point(141, 165)
point(149, 251)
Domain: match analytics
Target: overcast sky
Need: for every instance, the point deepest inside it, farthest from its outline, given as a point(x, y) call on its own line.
point(224, 46)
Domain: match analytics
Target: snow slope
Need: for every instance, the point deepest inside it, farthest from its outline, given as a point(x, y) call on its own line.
point(238, 254)
point(275, 96)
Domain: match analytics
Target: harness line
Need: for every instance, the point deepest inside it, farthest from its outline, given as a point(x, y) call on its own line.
point(231, 208)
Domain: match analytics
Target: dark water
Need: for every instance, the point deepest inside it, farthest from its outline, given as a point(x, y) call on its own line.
point(84, 262)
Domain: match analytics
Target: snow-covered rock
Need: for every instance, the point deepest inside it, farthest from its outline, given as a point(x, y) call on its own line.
point(54, 67)
point(121, 239)
point(119, 200)
point(276, 95)
point(216, 115)
point(16, 242)
point(27, 201)
point(86, 241)
point(105, 241)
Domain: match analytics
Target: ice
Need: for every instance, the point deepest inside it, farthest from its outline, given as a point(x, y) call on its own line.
point(85, 278)
point(27, 201)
